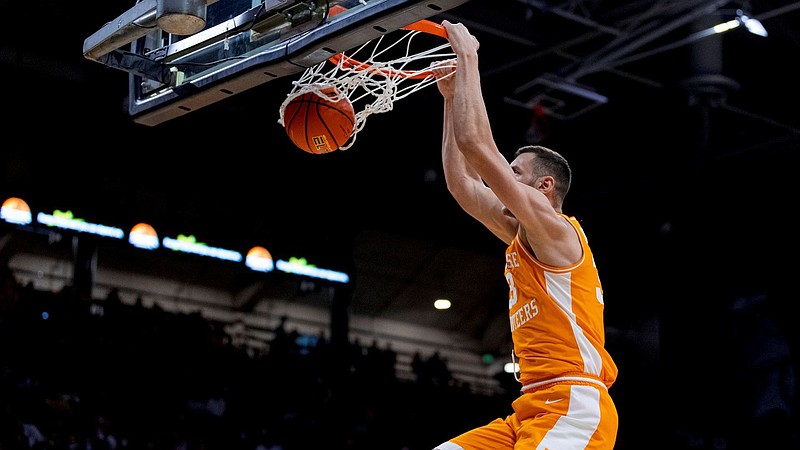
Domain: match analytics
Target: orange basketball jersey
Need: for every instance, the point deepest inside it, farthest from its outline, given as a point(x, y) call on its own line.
point(556, 316)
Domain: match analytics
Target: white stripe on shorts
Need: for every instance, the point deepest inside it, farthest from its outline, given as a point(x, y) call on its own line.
point(448, 446)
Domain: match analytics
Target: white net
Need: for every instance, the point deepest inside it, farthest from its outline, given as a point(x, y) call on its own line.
point(372, 85)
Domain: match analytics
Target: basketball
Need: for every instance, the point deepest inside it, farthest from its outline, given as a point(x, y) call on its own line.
point(317, 124)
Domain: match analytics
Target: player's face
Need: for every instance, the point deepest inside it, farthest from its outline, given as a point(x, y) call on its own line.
point(523, 166)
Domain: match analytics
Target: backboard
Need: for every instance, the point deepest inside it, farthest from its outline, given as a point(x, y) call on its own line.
point(239, 45)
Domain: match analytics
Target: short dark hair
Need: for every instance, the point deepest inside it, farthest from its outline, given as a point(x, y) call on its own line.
point(550, 162)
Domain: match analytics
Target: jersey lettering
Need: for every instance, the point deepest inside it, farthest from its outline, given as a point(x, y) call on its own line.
point(511, 260)
point(525, 313)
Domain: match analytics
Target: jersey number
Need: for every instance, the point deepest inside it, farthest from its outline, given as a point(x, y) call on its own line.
point(512, 290)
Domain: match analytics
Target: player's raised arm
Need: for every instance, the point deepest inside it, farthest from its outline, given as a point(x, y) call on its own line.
point(463, 181)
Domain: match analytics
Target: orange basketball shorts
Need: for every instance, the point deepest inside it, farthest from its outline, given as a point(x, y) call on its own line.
point(558, 417)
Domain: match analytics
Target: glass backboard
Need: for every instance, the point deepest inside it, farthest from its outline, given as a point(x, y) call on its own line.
point(240, 44)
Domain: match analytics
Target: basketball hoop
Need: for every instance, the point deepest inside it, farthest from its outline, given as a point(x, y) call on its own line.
point(377, 74)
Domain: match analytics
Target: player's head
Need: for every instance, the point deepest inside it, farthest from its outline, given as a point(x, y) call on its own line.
point(548, 163)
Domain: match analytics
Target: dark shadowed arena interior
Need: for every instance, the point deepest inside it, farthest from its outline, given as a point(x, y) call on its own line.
point(683, 144)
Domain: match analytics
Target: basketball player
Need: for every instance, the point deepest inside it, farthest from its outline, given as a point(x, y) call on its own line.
point(555, 302)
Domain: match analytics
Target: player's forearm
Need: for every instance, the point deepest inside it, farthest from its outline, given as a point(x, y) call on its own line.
point(471, 127)
point(461, 178)
point(456, 168)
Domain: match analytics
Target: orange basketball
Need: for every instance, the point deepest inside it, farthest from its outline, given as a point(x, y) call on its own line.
point(317, 124)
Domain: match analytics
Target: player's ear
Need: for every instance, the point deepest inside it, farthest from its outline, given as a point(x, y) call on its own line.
point(545, 183)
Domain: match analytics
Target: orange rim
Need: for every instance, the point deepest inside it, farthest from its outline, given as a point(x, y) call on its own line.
point(424, 26)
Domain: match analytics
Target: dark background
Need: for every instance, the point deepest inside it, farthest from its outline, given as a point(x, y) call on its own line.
point(684, 179)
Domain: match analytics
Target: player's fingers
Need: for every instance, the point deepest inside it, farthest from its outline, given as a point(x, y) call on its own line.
point(442, 68)
point(455, 31)
point(459, 36)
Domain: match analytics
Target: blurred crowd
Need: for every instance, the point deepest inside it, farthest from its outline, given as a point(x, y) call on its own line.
point(85, 374)
point(100, 374)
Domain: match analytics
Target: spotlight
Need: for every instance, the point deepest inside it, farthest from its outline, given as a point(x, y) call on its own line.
point(753, 25)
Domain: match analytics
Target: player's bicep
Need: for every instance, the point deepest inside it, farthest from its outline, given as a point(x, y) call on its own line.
point(489, 211)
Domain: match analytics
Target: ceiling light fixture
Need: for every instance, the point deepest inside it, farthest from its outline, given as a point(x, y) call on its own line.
point(753, 25)
point(442, 303)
